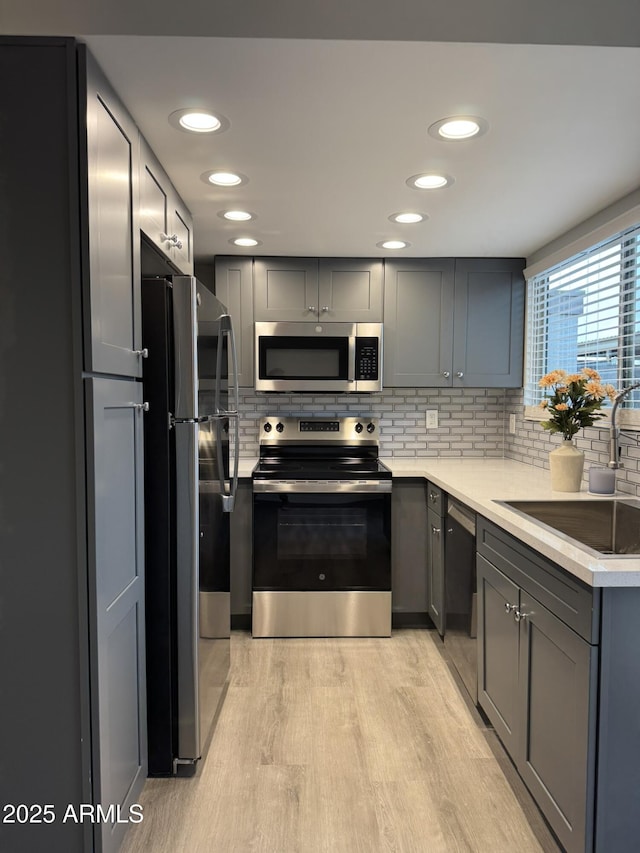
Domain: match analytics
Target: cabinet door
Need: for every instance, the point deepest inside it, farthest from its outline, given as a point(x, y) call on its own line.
point(418, 323)
point(114, 341)
point(163, 216)
point(234, 288)
point(435, 569)
point(116, 553)
point(498, 643)
point(489, 323)
point(409, 552)
point(285, 289)
point(350, 290)
point(557, 705)
point(181, 228)
point(154, 200)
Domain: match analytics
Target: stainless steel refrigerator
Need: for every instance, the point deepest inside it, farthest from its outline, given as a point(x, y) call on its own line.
point(189, 493)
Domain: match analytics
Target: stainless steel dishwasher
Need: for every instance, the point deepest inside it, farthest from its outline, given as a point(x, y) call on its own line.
point(461, 594)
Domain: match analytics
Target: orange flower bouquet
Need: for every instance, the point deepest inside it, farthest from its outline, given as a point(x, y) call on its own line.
point(575, 400)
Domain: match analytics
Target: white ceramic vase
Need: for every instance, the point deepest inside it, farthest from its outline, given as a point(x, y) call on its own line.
point(566, 463)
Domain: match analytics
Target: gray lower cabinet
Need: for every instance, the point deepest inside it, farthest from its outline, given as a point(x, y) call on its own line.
point(436, 510)
point(409, 551)
point(454, 322)
point(538, 678)
point(311, 289)
point(233, 282)
point(115, 479)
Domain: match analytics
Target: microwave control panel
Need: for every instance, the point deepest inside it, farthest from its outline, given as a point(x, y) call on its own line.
point(367, 358)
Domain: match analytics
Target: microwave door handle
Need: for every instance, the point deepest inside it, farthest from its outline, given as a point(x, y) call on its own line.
point(351, 370)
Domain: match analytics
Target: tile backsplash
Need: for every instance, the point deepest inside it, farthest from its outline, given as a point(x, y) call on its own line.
point(531, 444)
point(471, 422)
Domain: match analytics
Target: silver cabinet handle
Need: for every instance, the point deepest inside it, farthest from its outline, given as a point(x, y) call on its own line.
point(433, 497)
point(312, 308)
point(459, 374)
point(435, 530)
point(519, 615)
point(141, 353)
point(141, 407)
point(446, 374)
point(509, 607)
point(325, 309)
point(173, 239)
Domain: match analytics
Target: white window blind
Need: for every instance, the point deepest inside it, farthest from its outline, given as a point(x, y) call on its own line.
point(585, 312)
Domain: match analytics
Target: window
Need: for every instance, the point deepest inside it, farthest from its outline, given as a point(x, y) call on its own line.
point(585, 312)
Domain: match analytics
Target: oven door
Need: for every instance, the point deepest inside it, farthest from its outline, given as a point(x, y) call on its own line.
point(320, 537)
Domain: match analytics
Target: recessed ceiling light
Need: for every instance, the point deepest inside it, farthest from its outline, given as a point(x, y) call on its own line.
point(408, 218)
point(458, 127)
point(197, 120)
point(222, 178)
point(237, 215)
point(430, 181)
point(245, 241)
point(393, 244)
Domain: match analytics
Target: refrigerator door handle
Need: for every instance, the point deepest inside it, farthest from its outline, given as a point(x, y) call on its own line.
point(228, 495)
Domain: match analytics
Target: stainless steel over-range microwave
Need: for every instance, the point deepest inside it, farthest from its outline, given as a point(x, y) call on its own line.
point(318, 357)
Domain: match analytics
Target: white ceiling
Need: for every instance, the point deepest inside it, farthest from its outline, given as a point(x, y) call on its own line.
point(328, 132)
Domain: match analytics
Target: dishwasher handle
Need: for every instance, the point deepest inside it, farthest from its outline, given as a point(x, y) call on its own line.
point(464, 516)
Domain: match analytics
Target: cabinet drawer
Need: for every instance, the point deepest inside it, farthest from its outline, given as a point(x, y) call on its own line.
point(435, 499)
point(576, 604)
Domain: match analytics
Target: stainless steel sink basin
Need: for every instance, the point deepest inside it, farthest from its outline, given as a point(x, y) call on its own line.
point(608, 527)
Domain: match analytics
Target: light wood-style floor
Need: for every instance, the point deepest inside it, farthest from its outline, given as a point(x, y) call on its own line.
point(343, 746)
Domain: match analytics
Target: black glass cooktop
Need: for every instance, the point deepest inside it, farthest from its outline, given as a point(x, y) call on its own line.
point(318, 467)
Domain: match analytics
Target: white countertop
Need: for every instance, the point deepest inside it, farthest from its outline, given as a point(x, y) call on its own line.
point(479, 483)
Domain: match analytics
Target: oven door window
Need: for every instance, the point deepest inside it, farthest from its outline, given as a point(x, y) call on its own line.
point(303, 358)
point(322, 542)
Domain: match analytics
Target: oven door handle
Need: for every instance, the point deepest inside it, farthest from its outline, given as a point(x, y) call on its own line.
point(310, 487)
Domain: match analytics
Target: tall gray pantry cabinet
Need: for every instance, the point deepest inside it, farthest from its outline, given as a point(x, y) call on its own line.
point(72, 715)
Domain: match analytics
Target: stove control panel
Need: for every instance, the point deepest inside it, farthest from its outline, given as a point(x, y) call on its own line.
point(342, 430)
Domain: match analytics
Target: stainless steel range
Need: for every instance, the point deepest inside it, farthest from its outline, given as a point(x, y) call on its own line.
point(322, 530)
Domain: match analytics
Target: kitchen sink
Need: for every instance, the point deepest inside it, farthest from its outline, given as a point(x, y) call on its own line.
point(606, 526)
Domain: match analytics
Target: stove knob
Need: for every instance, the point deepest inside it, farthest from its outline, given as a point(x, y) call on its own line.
point(267, 427)
point(371, 427)
point(359, 428)
point(279, 427)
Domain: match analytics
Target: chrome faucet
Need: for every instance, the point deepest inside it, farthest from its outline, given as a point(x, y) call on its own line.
point(614, 431)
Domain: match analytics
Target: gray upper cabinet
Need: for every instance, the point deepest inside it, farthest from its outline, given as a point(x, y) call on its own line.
point(331, 290)
point(234, 288)
point(454, 323)
point(418, 322)
point(114, 344)
point(163, 217)
point(350, 290)
point(488, 336)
